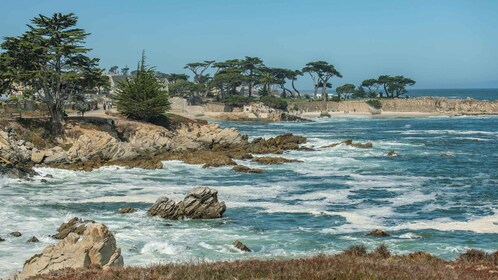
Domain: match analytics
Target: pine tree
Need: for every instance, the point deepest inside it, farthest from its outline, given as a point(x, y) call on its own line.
point(142, 96)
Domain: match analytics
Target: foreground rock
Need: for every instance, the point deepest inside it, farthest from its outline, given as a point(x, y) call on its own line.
point(200, 203)
point(95, 248)
point(245, 169)
point(378, 233)
point(75, 225)
point(349, 142)
point(273, 160)
point(239, 245)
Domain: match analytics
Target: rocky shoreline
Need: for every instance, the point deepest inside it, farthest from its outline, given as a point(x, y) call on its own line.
point(95, 142)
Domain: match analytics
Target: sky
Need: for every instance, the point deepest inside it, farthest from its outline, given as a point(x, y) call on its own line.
point(438, 43)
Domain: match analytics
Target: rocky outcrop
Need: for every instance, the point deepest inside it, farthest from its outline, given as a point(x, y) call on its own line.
point(273, 160)
point(286, 117)
point(200, 203)
point(95, 248)
point(1, 239)
point(75, 225)
point(392, 154)
point(349, 142)
point(16, 171)
point(94, 142)
point(275, 145)
point(245, 169)
point(16, 234)
point(239, 245)
point(12, 149)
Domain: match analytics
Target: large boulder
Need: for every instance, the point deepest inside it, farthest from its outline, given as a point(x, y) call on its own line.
point(95, 248)
point(200, 203)
point(165, 208)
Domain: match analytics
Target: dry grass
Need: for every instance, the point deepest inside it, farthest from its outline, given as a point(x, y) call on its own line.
point(354, 263)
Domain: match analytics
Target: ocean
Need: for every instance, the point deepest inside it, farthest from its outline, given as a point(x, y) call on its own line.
point(439, 195)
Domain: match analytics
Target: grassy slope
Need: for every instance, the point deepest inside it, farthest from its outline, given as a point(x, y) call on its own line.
point(352, 264)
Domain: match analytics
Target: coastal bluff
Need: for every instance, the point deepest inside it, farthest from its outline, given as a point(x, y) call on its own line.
point(428, 105)
point(90, 143)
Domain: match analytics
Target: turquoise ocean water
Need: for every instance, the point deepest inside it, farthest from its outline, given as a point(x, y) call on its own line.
point(439, 204)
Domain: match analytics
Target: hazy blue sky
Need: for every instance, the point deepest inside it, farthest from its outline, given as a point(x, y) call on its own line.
point(440, 44)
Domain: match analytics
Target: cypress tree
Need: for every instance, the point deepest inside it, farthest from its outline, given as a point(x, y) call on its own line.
point(142, 96)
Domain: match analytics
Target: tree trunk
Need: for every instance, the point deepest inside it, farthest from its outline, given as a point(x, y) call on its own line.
point(316, 91)
point(297, 91)
point(56, 118)
point(324, 91)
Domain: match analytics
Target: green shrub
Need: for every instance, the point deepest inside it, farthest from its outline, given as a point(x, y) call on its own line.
point(236, 100)
point(274, 102)
point(375, 103)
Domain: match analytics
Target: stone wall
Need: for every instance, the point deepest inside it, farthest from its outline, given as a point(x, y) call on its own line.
point(423, 104)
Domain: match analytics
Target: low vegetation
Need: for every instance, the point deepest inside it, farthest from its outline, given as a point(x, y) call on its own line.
point(375, 103)
point(354, 263)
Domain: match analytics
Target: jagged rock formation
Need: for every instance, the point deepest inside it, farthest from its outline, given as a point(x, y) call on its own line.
point(200, 203)
point(95, 248)
point(75, 225)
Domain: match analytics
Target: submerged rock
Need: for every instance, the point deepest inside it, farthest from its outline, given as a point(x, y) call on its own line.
point(245, 169)
point(16, 234)
point(33, 239)
point(16, 171)
point(285, 117)
point(200, 203)
point(378, 233)
point(273, 160)
point(75, 225)
point(1, 239)
point(95, 248)
point(349, 142)
point(127, 210)
point(239, 245)
point(392, 154)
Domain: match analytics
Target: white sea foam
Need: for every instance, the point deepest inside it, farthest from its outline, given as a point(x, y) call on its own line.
point(161, 248)
point(487, 224)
